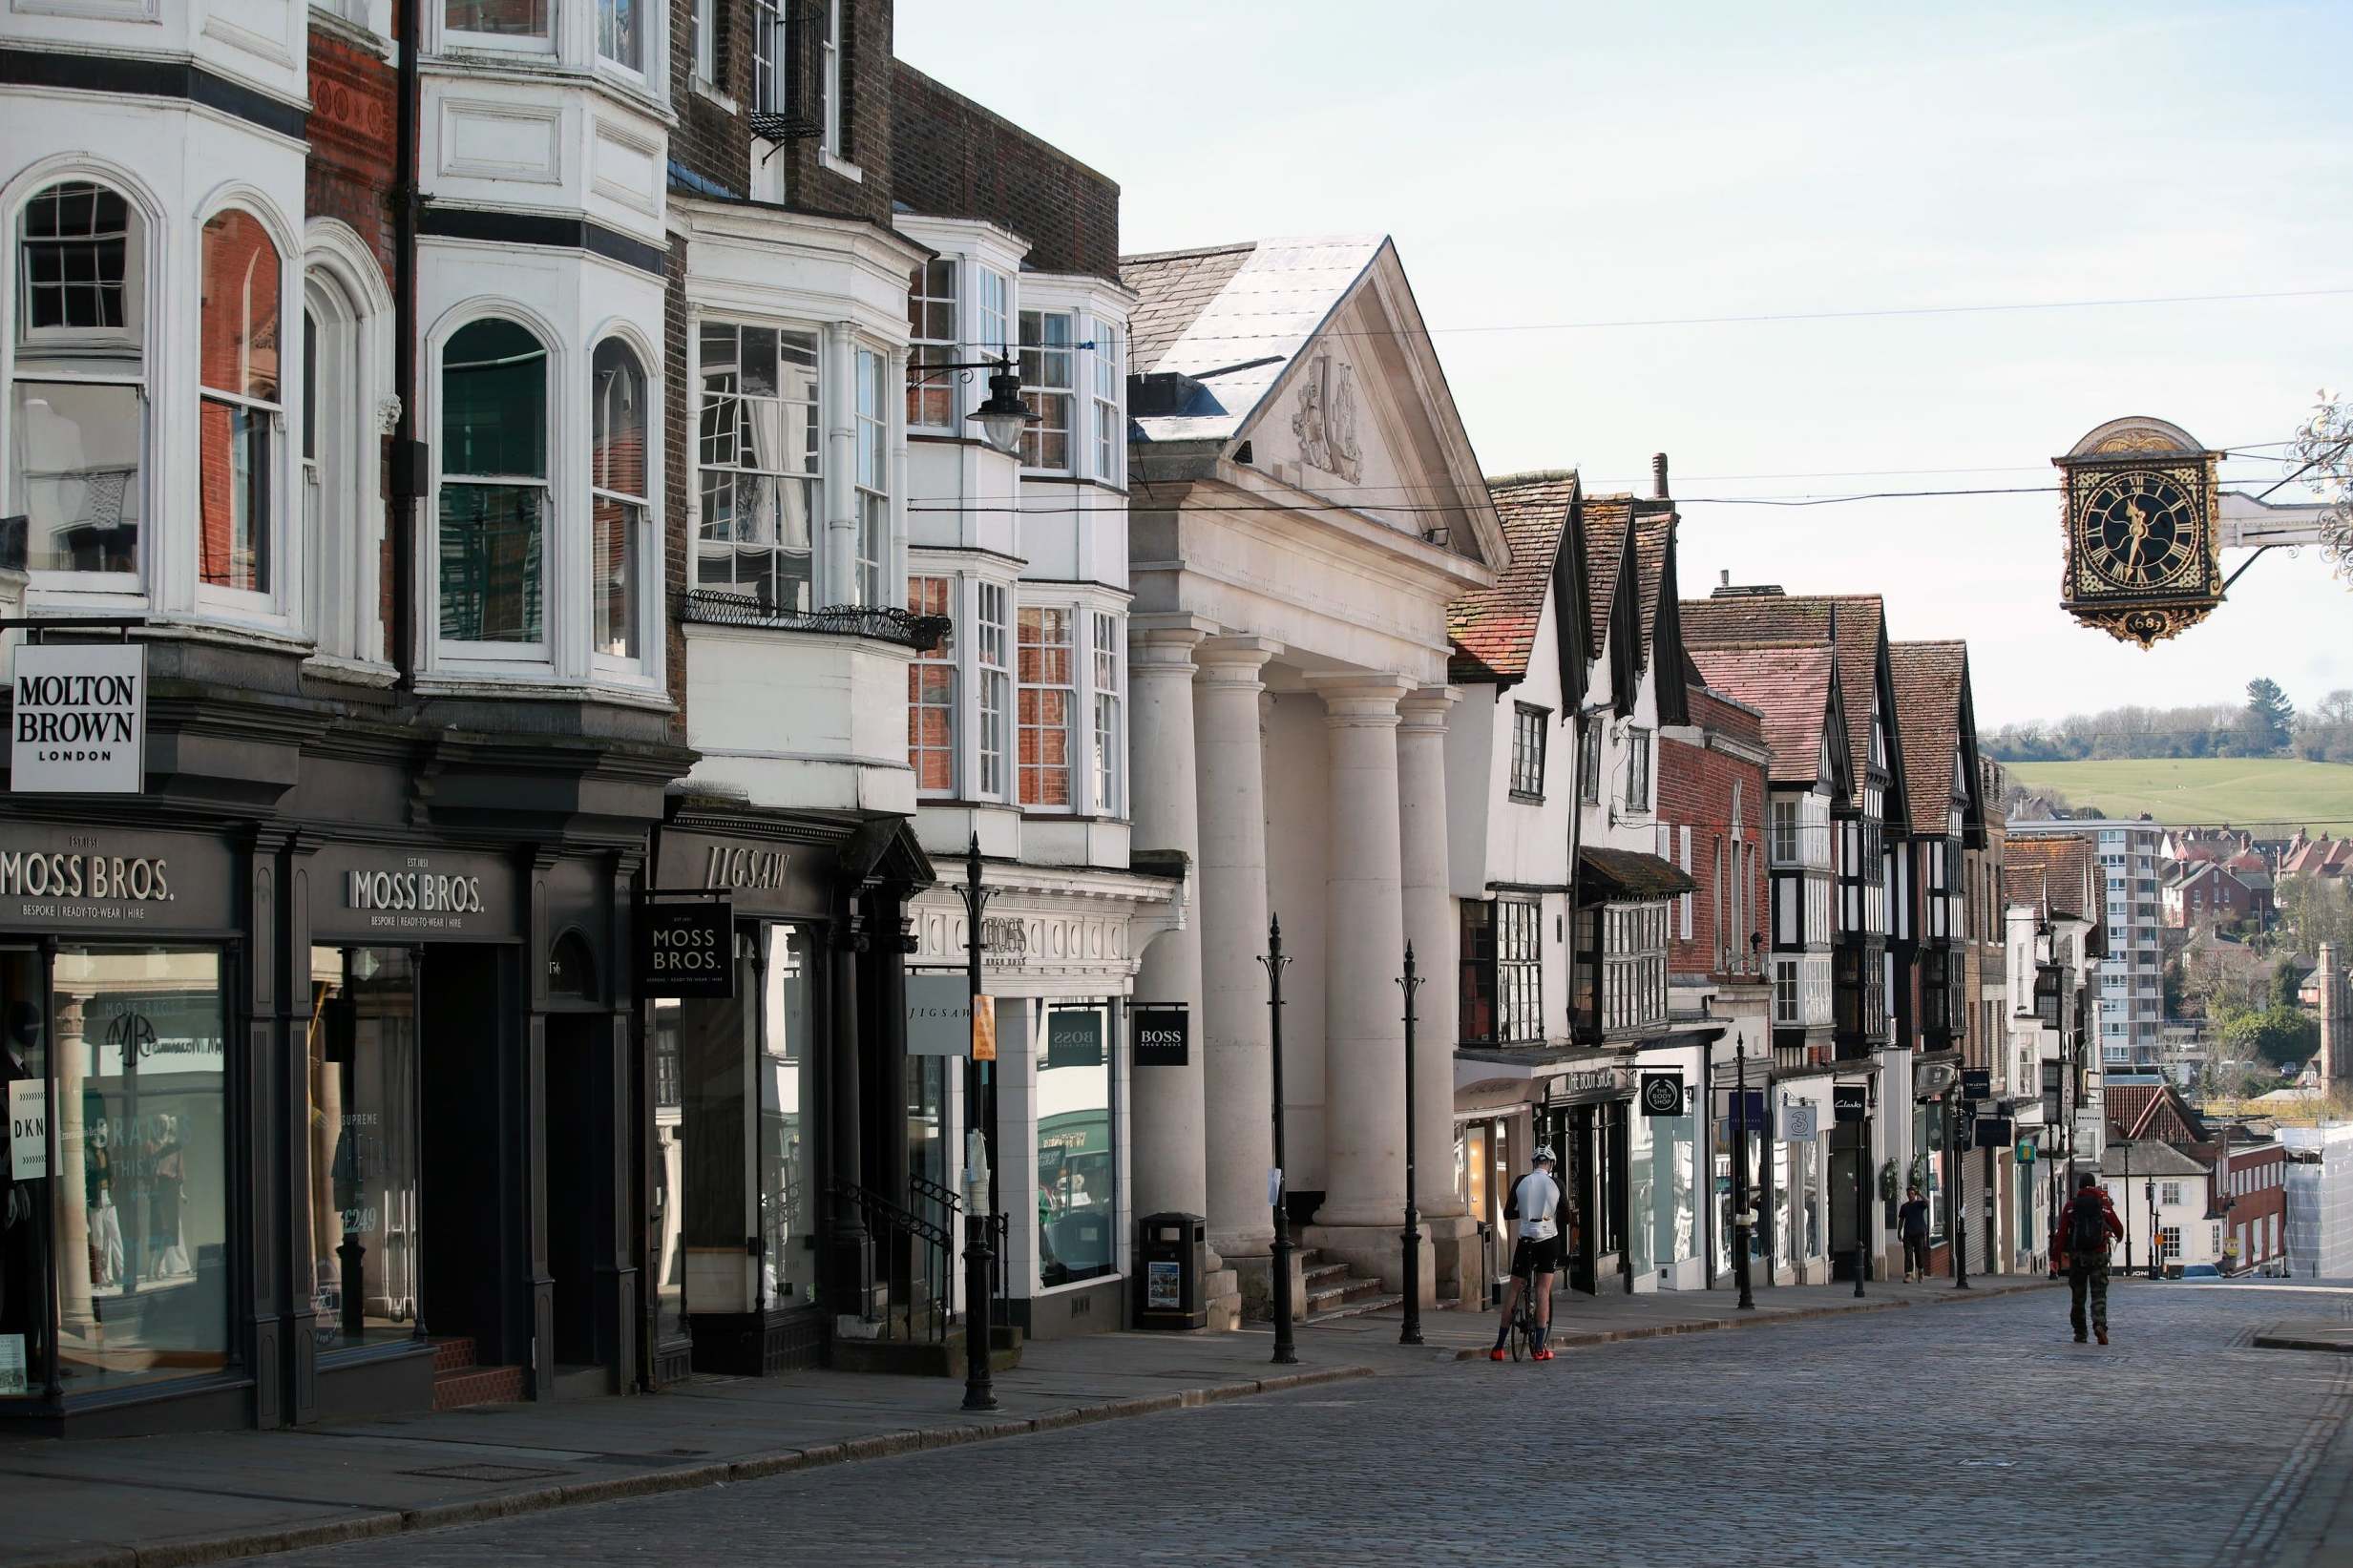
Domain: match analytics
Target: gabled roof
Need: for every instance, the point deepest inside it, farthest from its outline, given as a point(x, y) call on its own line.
point(1855, 622)
point(1494, 629)
point(2147, 1157)
point(2057, 872)
point(1662, 648)
point(1233, 318)
point(1932, 682)
point(1607, 520)
point(1791, 688)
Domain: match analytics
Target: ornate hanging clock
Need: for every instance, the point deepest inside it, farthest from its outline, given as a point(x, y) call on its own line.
point(2142, 555)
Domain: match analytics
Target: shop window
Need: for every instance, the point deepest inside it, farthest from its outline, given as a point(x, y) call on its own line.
point(494, 497)
point(667, 1195)
point(871, 481)
point(930, 694)
point(788, 1113)
point(77, 440)
point(1047, 352)
point(1047, 693)
point(1078, 1165)
point(932, 342)
point(619, 488)
point(759, 442)
point(360, 1222)
point(239, 418)
point(1110, 388)
point(1110, 701)
point(142, 1214)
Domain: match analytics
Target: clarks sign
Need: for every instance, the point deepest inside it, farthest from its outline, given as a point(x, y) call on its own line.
point(80, 721)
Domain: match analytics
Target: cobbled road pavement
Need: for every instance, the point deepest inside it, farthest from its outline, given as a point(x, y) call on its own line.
point(1976, 1435)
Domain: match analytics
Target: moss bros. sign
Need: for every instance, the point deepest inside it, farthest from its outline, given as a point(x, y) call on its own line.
point(686, 948)
point(80, 720)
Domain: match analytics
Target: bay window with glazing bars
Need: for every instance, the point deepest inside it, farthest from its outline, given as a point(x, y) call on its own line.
point(1048, 353)
point(1501, 999)
point(1620, 981)
point(759, 446)
point(931, 693)
point(619, 488)
point(494, 497)
point(241, 419)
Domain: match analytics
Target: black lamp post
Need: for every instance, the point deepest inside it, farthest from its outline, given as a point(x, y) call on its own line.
point(2156, 1237)
point(1285, 1348)
point(1862, 1202)
point(1740, 1171)
point(980, 1392)
point(1411, 1333)
point(2128, 1205)
point(1964, 1123)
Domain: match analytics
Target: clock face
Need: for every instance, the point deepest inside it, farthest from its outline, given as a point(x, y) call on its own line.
point(2139, 529)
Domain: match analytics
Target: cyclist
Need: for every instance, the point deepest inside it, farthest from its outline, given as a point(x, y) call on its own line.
point(1536, 1253)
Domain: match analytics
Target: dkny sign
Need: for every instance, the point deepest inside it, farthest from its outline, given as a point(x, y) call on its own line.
point(80, 721)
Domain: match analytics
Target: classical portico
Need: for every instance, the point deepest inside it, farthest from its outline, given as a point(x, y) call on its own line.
point(1300, 523)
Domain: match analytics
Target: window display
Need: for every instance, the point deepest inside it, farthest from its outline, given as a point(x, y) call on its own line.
point(788, 1109)
point(361, 1217)
point(667, 1235)
point(23, 1067)
point(1078, 1168)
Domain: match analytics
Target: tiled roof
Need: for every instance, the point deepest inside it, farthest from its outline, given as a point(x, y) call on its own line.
point(1630, 874)
point(1232, 317)
point(2058, 868)
point(1781, 620)
point(1606, 519)
point(1494, 629)
point(1930, 678)
point(2321, 856)
point(1654, 531)
point(1790, 687)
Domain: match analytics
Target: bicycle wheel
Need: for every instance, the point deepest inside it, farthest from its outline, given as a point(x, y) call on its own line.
point(1519, 1334)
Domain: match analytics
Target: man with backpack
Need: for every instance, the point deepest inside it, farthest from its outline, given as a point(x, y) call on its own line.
point(2086, 1227)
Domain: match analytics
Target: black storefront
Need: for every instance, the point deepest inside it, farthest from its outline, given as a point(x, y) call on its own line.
point(321, 1059)
point(774, 1161)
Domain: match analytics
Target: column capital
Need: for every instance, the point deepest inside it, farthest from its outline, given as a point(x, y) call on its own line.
point(1235, 661)
point(1359, 698)
point(1425, 709)
point(1160, 649)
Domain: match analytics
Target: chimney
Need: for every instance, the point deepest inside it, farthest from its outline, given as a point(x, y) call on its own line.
point(1658, 475)
point(1724, 579)
point(2334, 1021)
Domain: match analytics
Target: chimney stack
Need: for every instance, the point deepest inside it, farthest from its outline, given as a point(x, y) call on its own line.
point(1658, 475)
point(1724, 579)
point(2333, 1019)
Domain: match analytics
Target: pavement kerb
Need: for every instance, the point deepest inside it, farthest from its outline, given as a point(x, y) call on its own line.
point(1619, 1336)
point(224, 1548)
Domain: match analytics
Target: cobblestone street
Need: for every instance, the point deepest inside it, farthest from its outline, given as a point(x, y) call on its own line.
point(1886, 1437)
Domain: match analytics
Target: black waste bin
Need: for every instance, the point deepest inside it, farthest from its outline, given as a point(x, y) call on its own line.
point(1172, 1254)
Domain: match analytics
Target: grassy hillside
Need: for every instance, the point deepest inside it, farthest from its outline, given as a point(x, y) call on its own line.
point(2242, 792)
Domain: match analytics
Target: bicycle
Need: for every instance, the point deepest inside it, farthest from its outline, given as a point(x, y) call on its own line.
point(1523, 1335)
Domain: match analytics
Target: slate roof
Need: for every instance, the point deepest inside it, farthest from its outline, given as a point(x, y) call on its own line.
point(1232, 317)
point(1930, 678)
point(1494, 629)
point(1790, 687)
point(1781, 620)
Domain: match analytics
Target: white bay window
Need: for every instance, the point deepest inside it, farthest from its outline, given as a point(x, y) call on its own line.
point(760, 443)
point(1047, 389)
point(1108, 659)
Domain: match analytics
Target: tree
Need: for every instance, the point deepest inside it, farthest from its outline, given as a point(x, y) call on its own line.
point(2313, 912)
point(2284, 1037)
point(2326, 445)
point(2270, 719)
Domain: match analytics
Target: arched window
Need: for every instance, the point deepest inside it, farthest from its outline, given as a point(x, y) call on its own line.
point(491, 537)
point(240, 417)
point(78, 426)
point(618, 492)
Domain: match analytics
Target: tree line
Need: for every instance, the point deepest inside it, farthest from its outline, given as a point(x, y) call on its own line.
point(2266, 724)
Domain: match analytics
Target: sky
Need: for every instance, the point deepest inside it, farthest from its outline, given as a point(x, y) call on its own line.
point(1545, 167)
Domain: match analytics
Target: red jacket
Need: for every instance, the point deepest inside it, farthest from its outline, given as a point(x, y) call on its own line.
point(2059, 1232)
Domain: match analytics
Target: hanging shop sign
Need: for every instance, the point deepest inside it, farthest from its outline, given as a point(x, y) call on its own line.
point(1801, 1122)
point(1977, 1083)
point(1748, 1103)
point(1074, 1037)
point(28, 1130)
point(1847, 1102)
point(2143, 548)
point(371, 891)
point(1996, 1132)
point(2024, 1153)
point(81, 720)
point(1164, 1035)
point(1662, 1094)
point(939, 1015)
point(685, 949)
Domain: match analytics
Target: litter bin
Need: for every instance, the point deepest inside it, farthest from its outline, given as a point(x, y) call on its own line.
point(1171, 1257)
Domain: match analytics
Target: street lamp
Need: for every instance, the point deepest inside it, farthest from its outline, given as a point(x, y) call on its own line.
point(2156, 1237)
point(1411, 1333)
point(1963, 1122)
point(1742, 1218)
point(980, 1392)
point(1286, 1349)
point(1003, 416)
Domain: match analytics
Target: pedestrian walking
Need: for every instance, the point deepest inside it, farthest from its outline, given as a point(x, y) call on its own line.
point(2085, 1231)
point(1912, 1220)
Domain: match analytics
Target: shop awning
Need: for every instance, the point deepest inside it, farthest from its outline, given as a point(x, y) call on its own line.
point(1627, 876)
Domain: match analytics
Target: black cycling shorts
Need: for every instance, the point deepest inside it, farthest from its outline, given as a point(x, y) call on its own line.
point(1531, 1256)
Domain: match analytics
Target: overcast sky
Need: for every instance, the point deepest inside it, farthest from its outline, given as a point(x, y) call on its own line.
point(1560, 163)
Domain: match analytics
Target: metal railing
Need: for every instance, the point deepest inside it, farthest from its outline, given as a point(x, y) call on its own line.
point(951, 1204)
point(906, 1266)
point(884, 623)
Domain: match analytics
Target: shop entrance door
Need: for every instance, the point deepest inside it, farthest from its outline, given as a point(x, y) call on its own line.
point(470, 1143)
point(1571, 1133)
point(1845, 1138)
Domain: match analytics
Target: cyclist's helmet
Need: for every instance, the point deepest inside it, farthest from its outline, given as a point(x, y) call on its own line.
point(1542, 1155)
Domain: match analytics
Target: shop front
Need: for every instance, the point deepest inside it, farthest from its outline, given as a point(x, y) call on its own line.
point(789, 1130)
point(1586, 1115)
point(1666, 1234)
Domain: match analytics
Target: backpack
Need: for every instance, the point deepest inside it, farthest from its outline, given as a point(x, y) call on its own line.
point(2087, 1227)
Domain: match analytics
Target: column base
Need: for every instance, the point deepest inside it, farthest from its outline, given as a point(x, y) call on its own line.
point(1376, 1252)
point(1229, 1247)
point(1255, 1283)
point(1451, 1242)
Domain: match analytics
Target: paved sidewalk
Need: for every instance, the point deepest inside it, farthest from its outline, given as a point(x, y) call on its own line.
point(210, 1498)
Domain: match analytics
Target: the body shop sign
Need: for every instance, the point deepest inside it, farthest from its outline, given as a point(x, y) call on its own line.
point(80, 720)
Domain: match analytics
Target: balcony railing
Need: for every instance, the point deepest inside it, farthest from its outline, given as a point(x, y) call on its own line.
point(884, 623)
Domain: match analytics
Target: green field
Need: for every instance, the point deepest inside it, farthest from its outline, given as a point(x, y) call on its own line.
point(2241, 791)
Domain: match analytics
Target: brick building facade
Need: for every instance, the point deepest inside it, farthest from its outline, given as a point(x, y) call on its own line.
point(1712, 824)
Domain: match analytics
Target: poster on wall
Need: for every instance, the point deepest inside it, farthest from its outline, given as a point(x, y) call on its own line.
point(12, 1364)
point(80, 724)
point(984, 1029)
point(1164, 1286)
point(28, 1130)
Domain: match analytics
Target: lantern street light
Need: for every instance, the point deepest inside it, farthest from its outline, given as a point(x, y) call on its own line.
point(1742, 1219)
point(1275, 961)
point(1411, 1333)
point(1003, 416)
point(2156, 1237)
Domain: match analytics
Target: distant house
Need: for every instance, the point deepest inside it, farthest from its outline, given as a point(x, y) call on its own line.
point(2324, 857)
point(2217, 893)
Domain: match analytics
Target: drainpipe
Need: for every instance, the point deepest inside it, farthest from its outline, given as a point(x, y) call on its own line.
point(410, 471)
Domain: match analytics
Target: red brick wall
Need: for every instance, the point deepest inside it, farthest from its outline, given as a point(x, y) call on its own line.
point(1695, 790)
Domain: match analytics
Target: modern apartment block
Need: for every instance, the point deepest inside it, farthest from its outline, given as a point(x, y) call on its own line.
point(2132, 1013)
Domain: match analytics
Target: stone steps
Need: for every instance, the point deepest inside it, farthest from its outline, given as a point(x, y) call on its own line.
point(459, 1381)
point(1362, 1305)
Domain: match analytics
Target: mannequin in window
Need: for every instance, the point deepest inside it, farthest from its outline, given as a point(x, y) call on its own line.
point(20, 1300)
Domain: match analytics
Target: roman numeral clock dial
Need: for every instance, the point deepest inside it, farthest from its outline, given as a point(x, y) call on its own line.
point(2140, 531)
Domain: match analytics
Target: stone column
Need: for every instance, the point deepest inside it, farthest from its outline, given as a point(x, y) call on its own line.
point(1168, 1123)
point(1436, 933)
point(837, 549)
point(1238, 1080)
point(1364, 913)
